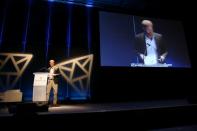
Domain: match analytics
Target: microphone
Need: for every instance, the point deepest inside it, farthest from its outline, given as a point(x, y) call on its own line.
point(148, 44)
point(43, 69)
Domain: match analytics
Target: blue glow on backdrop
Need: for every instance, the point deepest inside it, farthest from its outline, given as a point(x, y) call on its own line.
point(48, 31)
point(69, 30)
point(70, 2)
point(68, 38)
point(88, 3)
point(89, 31)
point(24, 42)
point(51, 0)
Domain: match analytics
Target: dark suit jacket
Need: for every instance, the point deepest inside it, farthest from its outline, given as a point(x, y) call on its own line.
point(56, 71)
point(140, 44)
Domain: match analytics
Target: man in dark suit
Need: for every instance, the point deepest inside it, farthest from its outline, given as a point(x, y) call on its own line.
point(53, 81)
point(150, 46)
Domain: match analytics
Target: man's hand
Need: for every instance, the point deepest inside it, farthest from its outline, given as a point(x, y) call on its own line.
point(142, 56)
point(162, 59)
point(56, 74)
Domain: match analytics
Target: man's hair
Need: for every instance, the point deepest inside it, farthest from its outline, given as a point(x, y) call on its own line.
point(147, 22)
point(52, 60)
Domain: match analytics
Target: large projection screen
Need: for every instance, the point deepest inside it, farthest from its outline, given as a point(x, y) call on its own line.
point(124, 42)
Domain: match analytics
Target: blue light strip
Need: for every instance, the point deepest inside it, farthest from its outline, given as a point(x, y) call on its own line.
point(24, 41)
point(3, 23)
point(89, 32)
point(89, 29)
point(88, 3)
point(48, 31)
point(69, 30)
point(68, 40)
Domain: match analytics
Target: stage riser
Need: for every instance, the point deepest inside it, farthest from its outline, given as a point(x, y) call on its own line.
point(149, 118)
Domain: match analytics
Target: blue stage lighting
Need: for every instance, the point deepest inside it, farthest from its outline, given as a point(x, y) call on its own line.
point(69, 30)
point(51, 0)
point(24, 41)
point(87, 3)
point(70, 2)
point(48, 31)
point(89, 23)
point(89, 29)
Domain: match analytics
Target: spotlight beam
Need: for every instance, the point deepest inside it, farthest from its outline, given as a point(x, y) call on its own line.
point(81, 3)
point(24, 42)
point(69, 32)
point(48, 32)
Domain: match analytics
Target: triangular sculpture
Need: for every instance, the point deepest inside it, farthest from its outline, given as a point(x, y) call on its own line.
point(68, 68)
point(19, 62)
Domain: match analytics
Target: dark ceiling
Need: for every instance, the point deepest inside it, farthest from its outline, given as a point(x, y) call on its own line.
point(134, 3)
point(104, 3)
point(166, 7)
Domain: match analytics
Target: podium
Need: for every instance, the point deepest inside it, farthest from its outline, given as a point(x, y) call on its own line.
point(40, 87)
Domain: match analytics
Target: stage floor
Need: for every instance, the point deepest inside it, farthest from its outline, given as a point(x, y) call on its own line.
point(113, 107)
point(108, 107)
point(166, 113)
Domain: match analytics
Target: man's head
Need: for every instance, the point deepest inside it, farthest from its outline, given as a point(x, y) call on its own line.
point(52, 63)
point(148, 27)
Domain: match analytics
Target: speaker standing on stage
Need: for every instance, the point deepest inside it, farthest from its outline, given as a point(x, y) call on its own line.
point(53, 81)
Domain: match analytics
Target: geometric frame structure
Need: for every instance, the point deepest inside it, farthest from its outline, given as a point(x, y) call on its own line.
point(18, 62)
point(80, 82)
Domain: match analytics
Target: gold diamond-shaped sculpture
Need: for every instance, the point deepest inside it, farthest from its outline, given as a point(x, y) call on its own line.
point(19, 63)
point(68, 69)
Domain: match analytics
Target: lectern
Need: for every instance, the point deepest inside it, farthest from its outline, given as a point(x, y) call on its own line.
point(39, 86)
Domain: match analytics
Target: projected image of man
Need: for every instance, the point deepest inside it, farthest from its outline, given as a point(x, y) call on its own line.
point(150, 46)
